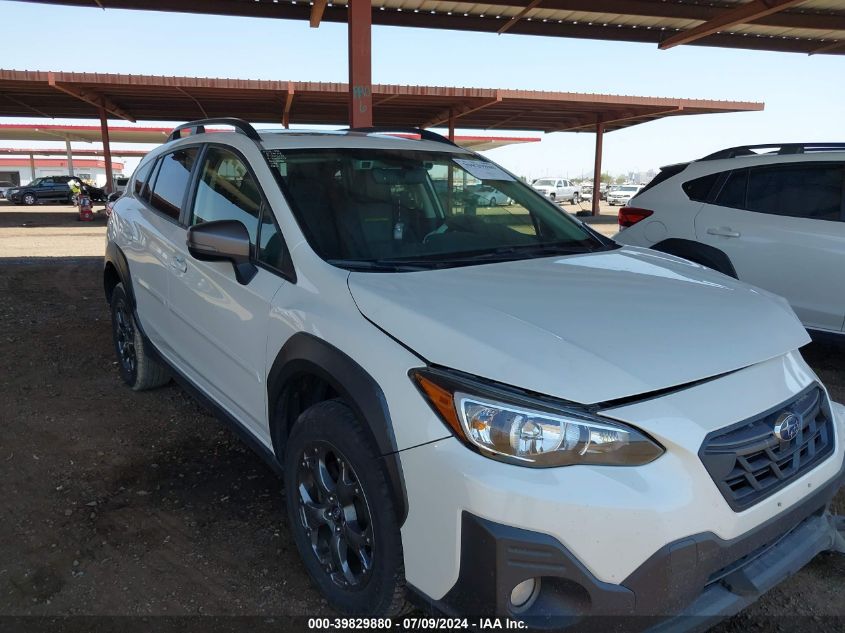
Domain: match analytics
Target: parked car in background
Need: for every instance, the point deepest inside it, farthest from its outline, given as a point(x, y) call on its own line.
point(120, 184)
point(458, 416)
point(52, 189)
point(771, 215)
point(622, 194)
point(557, 189)
point(488, 196)
point(5, 185)
point(586, 192)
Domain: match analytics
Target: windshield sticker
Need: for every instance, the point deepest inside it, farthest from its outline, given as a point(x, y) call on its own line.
point(482, 169)
point(276, 158)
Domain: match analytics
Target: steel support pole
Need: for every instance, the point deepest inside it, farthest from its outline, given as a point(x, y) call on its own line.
point(360, 63)
point(597, 167)
point(32, 166)
point(104, 137)
point(69, 158)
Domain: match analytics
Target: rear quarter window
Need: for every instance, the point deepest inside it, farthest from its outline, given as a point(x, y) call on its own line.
point(700, 189)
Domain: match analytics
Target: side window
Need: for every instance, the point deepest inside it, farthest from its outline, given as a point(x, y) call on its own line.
point(172, 181)
point(800, 191)
point(226, 191)
point(46, 182)
point(141, 176)
point(733, 191)
point(700, 188)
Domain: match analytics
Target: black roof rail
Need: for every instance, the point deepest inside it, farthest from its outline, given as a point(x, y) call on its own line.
point(198, 127)
point(425, 135)
point(783, 149)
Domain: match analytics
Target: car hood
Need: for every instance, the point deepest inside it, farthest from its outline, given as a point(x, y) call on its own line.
point(586, 328)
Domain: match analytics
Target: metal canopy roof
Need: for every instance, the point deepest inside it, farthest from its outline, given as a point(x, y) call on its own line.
point(125, 134)
point(145, 97)
point(801, 26)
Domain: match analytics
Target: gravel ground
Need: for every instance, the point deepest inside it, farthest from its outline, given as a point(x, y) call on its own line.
point(117, 503)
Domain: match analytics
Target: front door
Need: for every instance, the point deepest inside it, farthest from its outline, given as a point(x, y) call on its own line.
point(782, 228)
point(221, 324)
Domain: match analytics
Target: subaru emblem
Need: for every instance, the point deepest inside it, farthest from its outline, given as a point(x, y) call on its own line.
point(786, 426)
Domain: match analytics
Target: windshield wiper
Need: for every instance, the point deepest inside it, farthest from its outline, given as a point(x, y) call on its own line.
point(378, 265)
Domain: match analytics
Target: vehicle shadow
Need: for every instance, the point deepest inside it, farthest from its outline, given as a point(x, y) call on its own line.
point(49, 216)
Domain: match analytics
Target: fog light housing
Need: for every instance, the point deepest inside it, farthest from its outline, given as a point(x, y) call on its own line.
point(523, 594)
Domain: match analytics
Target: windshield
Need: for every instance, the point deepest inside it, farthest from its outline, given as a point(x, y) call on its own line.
point(363, 208)
point(544, 182)
point(35, 182)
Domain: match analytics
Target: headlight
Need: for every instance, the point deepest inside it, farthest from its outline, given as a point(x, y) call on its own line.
point(529, 431)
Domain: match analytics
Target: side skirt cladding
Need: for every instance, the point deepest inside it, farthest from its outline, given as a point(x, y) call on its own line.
point(306, 355)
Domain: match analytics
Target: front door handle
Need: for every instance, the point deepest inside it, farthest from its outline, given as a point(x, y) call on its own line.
point(723, 231)
point(179, 264)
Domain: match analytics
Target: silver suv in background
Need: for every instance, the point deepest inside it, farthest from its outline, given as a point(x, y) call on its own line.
point(558, 189)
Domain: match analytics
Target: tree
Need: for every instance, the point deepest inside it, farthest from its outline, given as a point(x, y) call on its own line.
point(605, 178)
point(620, 180)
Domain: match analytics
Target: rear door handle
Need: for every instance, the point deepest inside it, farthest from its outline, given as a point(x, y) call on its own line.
point(179, 264)
point(723, 231)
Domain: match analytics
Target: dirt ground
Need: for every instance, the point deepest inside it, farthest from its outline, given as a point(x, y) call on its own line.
point(141, 504)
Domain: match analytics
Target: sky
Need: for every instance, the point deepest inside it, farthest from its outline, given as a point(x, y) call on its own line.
point(804, 95)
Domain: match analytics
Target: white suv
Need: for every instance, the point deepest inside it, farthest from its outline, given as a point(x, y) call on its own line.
point(459, 419)
point(558, 189)
point(775, 219)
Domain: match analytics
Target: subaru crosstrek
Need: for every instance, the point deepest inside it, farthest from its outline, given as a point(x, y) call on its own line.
point(461, 419)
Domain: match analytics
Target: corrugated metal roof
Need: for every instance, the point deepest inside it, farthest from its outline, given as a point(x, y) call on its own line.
point(805, 26)
point(153, 98)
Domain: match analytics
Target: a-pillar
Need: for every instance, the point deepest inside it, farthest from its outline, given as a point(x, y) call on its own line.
point(360, 63)
point(104, 137)
point(597, 167)
point(69, 158)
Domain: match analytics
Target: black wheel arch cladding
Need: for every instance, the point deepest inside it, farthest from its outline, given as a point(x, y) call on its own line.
point(699, 253)
point(116, 260)
point(303, 355)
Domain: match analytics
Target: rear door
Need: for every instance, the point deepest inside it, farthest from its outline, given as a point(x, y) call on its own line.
point(221, 325)
point(782, 227)
point(150, 241)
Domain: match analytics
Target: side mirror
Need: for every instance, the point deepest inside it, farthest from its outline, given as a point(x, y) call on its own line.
point(114, 196)
point(223, 240)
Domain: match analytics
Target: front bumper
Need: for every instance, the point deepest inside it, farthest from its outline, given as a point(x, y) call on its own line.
point(687, 585)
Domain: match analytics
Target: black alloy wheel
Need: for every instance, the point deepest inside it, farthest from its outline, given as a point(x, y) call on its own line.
point(335, 514)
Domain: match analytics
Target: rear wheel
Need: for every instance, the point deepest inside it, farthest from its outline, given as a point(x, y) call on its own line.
point(137, 369)
point(576, 198)
point(341, 513)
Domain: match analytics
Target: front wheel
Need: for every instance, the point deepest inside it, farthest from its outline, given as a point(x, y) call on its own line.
point(341, 513)
point(29, 199)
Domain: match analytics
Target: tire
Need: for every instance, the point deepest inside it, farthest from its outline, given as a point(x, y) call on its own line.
point(575, 198)
point(137, 368)
point(29, 199)
point(552, 197)
point(367, 576)
point(494, 202)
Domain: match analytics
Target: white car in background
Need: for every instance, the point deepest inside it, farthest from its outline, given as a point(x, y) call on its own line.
point(770, 215)
point(622, 194)
point(558, 189)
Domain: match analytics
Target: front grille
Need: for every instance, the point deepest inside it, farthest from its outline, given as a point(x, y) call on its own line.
point(748, 463)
